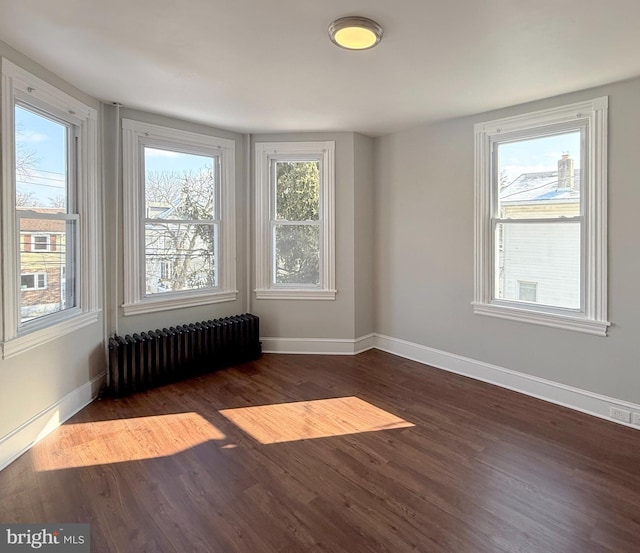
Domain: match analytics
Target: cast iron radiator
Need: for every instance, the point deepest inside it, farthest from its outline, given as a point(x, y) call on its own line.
point(141, 361)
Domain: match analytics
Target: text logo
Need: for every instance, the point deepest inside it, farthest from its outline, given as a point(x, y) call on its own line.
point(60, 538)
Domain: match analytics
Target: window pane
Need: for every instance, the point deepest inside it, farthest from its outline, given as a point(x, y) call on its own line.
point(297, 190)
point(40, 242)
point(27, 281)
point(540, 178)
point(179, 257)
point(547, 254)
point(41, 161)
point(178, 185)
point(528, 291)
point(297, 254)
point(47, 279)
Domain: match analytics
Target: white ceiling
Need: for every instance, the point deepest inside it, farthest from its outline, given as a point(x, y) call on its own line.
point(268, 65)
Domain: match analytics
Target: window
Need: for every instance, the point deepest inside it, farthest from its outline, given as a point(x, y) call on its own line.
point(179, 214)
point(40, 243)
point(166, 270)
point(33, 281)
point(46, 201)
point(295, 214)
point(49, 238)
point(528, 291)
point(541, 217)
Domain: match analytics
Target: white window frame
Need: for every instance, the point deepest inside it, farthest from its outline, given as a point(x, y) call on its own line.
point(35, 281)
point(265, 154)
point(21, 86)
point(137, 135)
point(592, 115)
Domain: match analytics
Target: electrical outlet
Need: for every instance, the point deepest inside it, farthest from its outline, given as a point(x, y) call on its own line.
point(620, 414)
point(636, 419)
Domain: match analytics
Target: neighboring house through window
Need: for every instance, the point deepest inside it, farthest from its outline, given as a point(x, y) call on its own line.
point(49, 212)
point(295, 220)
point(541, 217)
point(180, 216)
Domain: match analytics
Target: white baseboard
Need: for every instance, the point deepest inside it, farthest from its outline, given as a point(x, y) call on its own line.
point(26, 435)
point(322, 346)
point(29, 433)
point(547, 390)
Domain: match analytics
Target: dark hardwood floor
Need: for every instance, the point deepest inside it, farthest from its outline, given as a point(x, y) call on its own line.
point(410, 459)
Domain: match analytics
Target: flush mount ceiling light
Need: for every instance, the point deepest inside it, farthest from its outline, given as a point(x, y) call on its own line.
point(355, 33)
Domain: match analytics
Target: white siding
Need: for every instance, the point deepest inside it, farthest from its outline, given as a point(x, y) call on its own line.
point(548, 254)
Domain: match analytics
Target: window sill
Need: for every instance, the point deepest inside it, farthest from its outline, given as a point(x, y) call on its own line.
point(41, 336)
point(554, 320)
point(294, 294)
point(177, 301)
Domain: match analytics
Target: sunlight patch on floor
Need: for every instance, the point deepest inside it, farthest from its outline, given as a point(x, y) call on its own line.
point(319, 418)
point(122, 440)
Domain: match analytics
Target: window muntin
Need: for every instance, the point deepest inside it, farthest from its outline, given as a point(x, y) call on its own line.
point(182, 222)
point(45, 155)
point(576, 209)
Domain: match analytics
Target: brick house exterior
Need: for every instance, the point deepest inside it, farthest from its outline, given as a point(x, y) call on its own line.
point(42, 264)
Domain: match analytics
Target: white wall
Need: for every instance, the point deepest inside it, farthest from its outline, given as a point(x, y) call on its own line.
point(404, 261)
point(424, 254)
point(332, 319)
point(34, 381)
point(48, 383)
point(115, 256)
point(364, 224)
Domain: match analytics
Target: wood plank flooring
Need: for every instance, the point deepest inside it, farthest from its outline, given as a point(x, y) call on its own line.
point(371, 453)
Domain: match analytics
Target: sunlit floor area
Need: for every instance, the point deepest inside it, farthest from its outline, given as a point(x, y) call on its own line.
point(371, 453)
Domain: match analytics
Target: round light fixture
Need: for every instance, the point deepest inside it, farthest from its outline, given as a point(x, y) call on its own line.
point(355, 33)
